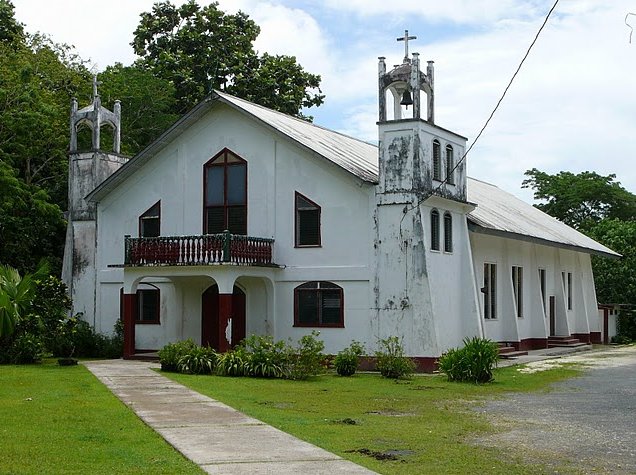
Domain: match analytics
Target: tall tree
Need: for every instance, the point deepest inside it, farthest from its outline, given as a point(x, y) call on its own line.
point(11, 31)
point(37, 80)
point(582, 199)
point(147, 104)
point(31, 228)
point(202, 48)
point(616, 279)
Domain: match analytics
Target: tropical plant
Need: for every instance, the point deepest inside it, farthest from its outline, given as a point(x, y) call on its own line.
point(472, 363)
point(232, 363)
point(198, 360)
point(391, 361)
point(171, 353)
point(266, 359)
point(306, 359)
point(347, 360)
point(16, 295)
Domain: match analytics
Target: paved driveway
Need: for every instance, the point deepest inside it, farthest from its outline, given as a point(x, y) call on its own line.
point(588, 423)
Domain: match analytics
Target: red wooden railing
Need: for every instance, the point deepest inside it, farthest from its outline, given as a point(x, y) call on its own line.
point(197, 250)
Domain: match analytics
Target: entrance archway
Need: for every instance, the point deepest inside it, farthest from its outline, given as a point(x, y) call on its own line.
point(213, 331)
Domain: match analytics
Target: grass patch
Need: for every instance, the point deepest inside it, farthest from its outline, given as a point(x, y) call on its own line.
point(63, 420)
point(403, 427)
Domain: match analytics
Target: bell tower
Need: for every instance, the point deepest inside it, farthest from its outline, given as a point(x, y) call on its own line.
point(87, 169)
point(421, 287)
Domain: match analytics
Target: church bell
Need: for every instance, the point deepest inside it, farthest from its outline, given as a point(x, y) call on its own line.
point(407, 100)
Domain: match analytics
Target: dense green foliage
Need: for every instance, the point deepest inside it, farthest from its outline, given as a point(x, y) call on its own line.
point(390, 359)
point(34, 322)
point(255, 356)
point(199, 360)
point(171, 353)
point(581, 200)
point(615, 279)
point(199, 49)
point(601, 208)
point(474, 362)
point(347, 360)
point(31, 227)
point(63, 420)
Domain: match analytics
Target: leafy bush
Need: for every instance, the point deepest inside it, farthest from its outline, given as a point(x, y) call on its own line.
point(232, 363)
point(171, 353)
point(390, 359)
point(474, 362)
point(306, 359)
point(75, 337)
point(265, 359)
point(27, 348)
point(626, 326)
point(198, 360)
point(347, 360)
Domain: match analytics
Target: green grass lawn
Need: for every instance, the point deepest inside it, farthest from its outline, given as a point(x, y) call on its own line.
point(424, 422)
point(62, 420)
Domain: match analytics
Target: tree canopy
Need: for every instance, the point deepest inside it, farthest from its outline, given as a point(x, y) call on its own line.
point(583, 199)
point(199, 49)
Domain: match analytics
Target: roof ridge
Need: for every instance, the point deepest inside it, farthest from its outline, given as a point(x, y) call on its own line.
point(287, 116)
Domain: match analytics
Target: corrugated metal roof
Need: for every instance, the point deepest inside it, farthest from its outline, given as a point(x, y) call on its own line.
point(355, 156)
point(500, 211)
point(497, 211)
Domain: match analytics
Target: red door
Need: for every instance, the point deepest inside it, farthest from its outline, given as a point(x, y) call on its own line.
point(210, 330)
point(210, 317)
point(238, 316)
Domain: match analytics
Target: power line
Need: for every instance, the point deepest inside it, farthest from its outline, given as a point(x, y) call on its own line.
point(463, 157)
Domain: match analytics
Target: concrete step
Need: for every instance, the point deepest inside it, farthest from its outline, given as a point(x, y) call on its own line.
point(566, 344)
point(512, 354)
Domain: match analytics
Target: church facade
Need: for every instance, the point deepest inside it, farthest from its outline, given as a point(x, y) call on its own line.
point(241, 220)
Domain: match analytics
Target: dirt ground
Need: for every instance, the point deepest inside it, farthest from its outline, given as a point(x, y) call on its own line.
point(586, 424)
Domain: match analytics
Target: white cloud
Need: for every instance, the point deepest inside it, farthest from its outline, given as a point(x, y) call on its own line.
point(571, 107)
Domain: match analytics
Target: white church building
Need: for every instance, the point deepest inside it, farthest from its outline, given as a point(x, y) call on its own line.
point(241, 220)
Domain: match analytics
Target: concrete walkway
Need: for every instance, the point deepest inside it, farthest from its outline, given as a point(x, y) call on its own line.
point(218, 438)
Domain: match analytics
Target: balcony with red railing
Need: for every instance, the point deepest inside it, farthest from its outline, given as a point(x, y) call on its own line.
point(208, 249)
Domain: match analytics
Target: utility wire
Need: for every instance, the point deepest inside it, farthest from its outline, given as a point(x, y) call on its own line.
point(463, 157)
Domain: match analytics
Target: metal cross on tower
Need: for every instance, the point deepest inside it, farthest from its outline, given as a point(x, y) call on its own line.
point(95, 84)
point(406, 39)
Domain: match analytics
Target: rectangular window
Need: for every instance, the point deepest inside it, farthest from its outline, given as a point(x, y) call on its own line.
point(450, 165)
point(437, 160)
point(542, 287)
point(148, 306)
point(490, 290)
point(567, 288)
point(307, 222)
point(517, 288)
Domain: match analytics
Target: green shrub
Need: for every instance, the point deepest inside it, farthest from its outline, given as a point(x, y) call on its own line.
point(347, 360)
point(198, 360)
point(306, 360)
point(75, 337)
point(473, 363)
point(232, 363)
point(390, 359)
point(171, 353)
point(265, 358)
point(626, 326)
point(26, 348)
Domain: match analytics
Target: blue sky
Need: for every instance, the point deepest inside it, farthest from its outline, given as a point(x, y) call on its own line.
point(572, 107)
